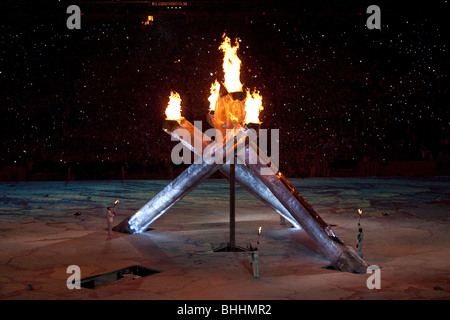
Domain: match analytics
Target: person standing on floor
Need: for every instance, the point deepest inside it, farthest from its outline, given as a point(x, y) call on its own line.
point(255, 257)
point(360, 236)
point(110, 218)
point(359, 239)
point(255, 263)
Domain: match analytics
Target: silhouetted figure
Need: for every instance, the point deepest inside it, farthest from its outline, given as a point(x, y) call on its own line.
point(110, 219)
point(255, 263)
point(359, 240)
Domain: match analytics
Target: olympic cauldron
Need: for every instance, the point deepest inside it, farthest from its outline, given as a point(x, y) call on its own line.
point(233, 113)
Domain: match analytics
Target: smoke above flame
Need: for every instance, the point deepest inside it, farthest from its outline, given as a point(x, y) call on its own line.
point(173, 110)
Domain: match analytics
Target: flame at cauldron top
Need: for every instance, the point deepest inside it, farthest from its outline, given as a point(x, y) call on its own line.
point(231, 65)
point(228, 109)
point(230, 104)
point(173, 110)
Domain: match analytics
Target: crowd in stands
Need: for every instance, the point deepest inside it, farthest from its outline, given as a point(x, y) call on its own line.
point(338, 94)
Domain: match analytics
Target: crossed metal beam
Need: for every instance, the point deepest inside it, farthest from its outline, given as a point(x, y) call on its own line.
point(272, 189)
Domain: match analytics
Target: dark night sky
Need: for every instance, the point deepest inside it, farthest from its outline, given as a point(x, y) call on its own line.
point(334, 88)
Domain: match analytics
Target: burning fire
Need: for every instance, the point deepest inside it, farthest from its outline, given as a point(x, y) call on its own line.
point(147, 22)
point(215, 87)
point(173, 110)
point(253, 105)
point(231, 65)
point(230, 112)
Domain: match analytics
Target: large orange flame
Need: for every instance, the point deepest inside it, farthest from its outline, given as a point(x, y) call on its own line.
point(231, 65)
point(230, 111)
point(173, 110)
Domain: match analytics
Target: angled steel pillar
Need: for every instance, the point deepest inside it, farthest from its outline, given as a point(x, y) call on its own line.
point(342, 257)
point(179, 187)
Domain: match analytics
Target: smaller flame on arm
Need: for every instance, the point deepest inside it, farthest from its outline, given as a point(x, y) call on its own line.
point(215, 87)
point(253, 105)
point(173, 110)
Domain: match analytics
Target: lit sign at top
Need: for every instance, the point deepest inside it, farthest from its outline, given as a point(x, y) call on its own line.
point(168, 4)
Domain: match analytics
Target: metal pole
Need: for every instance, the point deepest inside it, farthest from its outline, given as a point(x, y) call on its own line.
point(232, 206)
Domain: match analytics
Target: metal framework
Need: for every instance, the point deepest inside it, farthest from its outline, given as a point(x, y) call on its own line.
point(273, 189)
